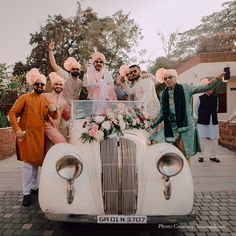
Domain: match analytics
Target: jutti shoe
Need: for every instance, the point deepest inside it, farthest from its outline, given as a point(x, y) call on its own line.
point(200, 159)
point(215, 159)
point(26, 200)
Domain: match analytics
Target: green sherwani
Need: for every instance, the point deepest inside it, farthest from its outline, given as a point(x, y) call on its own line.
point(188, 136)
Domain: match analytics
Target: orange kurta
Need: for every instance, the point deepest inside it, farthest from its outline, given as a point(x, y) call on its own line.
point(33, 111)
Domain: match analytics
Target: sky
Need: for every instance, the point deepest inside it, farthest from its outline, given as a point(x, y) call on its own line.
point(20, 18)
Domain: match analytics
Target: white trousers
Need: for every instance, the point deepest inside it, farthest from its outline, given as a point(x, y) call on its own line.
point(29, 177)
point(212, 144)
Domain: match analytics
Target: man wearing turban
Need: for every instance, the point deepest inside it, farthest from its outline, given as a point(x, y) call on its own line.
point(33, 110)
point(54, 129)
point(98, 80)
point(73, 83)
point(177, 113)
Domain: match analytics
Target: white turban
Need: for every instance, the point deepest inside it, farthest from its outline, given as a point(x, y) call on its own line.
point(160, 75)
point(124, 69)
point(55, 78)
point(98, 55)
point(170, 72)
point(34, 75)
point(71, 63)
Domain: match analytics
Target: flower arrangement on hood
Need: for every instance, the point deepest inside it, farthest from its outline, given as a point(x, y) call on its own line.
point(102, 126)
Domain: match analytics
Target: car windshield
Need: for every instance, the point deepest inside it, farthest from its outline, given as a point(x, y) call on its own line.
point(87, 108)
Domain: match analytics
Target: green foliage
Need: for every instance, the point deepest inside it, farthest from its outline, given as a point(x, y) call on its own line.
point(161, 62)
point(11, 87)
point(78, 36)
point(3, 120)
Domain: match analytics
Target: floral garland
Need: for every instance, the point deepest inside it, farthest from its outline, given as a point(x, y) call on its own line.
point(102, 126)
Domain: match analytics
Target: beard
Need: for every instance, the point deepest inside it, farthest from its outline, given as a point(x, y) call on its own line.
point(74, 73)
point(38, 91)
point(58, 90)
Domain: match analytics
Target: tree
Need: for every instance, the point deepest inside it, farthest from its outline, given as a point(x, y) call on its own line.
point(215, 33)
point(78, 36)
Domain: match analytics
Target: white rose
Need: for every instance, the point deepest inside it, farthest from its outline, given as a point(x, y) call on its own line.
point(99, 135)
point(106, 125)
point(122, 124)
point(134, 122)
point(99, 119)
point(146, 125)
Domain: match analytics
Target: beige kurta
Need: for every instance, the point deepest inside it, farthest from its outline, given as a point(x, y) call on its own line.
point(33, 112)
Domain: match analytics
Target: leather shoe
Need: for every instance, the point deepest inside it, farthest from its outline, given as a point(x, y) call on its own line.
point(26, 200)
point(215, 159)
point(35, 191)
point(200, 159)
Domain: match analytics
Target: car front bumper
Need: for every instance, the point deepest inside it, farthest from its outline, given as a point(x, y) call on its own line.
point(170, 219)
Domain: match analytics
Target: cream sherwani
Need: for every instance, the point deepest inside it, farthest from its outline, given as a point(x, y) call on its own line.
point(144, 90)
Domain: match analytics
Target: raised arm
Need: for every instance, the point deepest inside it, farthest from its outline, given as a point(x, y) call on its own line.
point(52, 60)
point(206, 87)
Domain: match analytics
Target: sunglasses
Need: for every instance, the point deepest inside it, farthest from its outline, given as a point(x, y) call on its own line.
point(169, 77)
point(39, 84)
point(74, 69)
point(133, 72)
point(101, 62)
point(58, 84)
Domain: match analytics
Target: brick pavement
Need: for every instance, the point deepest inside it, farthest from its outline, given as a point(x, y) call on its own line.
point(214, 203)
point(216, 215)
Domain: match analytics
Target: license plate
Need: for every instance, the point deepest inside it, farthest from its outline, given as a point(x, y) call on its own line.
point(121, 219)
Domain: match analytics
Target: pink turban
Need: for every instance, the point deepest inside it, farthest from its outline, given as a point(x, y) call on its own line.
point(55, 78)
point(34, 75)
point(124, 69)
point(98, 55)
point(71, 63)
point(160, 75)
point(170, 72)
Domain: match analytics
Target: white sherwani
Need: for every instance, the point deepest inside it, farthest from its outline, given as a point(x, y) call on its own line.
point(100, 85)
point(144, 90)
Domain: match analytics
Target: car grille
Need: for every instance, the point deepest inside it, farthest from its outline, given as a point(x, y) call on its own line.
point(119, 176)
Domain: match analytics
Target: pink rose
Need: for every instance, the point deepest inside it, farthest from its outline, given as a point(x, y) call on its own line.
point(92, 132)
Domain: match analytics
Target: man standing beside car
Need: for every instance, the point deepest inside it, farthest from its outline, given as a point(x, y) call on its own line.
point(177, 113)
point(33, 110)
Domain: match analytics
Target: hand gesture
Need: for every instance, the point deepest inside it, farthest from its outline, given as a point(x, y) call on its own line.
point(20, 135)
point(51, 45)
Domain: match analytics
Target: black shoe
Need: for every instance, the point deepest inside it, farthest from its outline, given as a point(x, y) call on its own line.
point(200, 159)
point(26, 200)
point(215, 159)
point(35, 191)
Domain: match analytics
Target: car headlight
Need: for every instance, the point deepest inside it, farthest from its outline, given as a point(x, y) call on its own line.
point(69, 167)
point(170, 164)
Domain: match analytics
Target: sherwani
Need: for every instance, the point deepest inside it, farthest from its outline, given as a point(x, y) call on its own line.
point(53, 127)
point(33, 111)
point(189, 137)
point(144, 90)
point(99, 89)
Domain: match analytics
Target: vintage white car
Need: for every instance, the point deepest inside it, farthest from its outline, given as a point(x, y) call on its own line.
point(110, 173)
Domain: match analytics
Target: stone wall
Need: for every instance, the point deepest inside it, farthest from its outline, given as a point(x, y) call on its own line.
point(228, 135)
point(7, 142)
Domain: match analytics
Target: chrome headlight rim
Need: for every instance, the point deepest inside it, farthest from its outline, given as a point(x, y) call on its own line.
point(170, 156)
point(71, 161)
